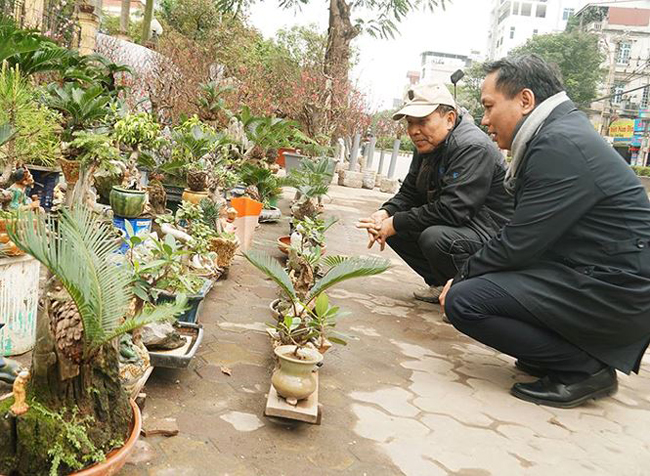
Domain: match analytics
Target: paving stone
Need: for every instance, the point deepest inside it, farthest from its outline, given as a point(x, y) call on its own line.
point(427, 400)
point(228, 354)
point(394, 400)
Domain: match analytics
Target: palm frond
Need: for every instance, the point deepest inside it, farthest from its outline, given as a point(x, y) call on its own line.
point(334, 260)
point(77, 251)
point(352, 268)
point(161, 312)
point(273, 270)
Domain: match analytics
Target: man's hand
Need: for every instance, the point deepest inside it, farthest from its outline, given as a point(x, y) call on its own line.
point(443, 295)
point(379, 233)
point(379, 216)
point(372, 225)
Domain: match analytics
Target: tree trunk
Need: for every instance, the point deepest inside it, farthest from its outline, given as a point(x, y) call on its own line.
point(340, 34)
point(125, 16)
point(95, 391)
point(146, 22)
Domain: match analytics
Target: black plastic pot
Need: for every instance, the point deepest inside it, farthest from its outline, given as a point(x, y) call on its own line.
point(174, 196)
point(194, 302)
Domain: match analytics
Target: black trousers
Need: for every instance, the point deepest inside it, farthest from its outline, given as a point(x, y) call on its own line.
point(437, 253)
point(484, 311)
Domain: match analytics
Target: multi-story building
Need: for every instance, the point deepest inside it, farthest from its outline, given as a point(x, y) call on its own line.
point(512, 23)
point(624, 29)
point(437, 66)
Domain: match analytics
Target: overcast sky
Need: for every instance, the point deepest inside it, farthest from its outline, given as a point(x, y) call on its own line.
point(383, 64)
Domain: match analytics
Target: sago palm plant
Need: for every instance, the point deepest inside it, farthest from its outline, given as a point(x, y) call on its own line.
point(77, 251)
point(306, 320)
point(75, 369)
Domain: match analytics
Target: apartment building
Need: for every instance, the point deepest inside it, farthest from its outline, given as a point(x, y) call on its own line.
point(512, 23)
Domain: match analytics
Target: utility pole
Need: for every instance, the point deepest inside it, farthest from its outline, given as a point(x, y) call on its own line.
point(606, 111)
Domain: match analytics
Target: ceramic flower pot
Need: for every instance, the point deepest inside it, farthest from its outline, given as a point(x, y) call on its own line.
point(284, 242)
point(194, 197)
point(127, 203)
point(70, 169)
point(294, 378)
point(115, 460)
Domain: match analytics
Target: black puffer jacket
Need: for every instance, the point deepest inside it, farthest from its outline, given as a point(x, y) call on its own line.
point(460, 183)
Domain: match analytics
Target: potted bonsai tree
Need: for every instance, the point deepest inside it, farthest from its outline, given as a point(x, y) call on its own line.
point(310, 319)
point(89, 150)
point(70, 410)
point(193, 144)
point(140, 136)
point(80, 109)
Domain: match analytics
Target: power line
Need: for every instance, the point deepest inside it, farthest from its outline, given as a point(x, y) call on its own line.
point(620, 93)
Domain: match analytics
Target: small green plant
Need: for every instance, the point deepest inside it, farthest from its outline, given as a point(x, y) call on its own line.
point(138, 131)
point(162, 269)
point(81, 108)
point(72, 447)
point(92, 148)
point(322, 320)
point(312, 230)
point(268, 184)
point(211, 102)
point(189, 212)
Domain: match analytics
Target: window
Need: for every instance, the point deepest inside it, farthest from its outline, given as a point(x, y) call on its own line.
point(535, 32)
point(504, 12)
point(617, 91)
point(512, 32)
point(515, 8)
point(541, 11)
point(644, 98)
point(623, 53)
point(567, 13)
point(526, 9)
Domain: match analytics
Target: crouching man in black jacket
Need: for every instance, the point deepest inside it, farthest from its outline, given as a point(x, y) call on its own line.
point(452, 200)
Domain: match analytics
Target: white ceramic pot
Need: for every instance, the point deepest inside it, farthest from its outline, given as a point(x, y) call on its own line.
point(295, 378)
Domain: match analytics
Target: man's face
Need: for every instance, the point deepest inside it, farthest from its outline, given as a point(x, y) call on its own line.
point(430, 131)
point(502, 114)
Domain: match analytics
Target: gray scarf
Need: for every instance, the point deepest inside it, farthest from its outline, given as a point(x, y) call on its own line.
point(526, 132)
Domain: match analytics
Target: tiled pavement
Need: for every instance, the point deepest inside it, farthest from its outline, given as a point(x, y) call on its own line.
point(408, 395)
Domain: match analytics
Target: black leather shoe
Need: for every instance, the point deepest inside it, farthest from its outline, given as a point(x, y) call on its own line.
point(531, 369)
point(553, 394)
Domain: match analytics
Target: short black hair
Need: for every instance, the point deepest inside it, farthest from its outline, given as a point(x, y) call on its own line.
point(526, 72)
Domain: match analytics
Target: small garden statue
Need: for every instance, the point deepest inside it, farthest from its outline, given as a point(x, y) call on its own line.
point(17, 192)
point(20, 393)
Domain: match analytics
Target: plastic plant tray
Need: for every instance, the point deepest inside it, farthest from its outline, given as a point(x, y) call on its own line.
point(181, 357)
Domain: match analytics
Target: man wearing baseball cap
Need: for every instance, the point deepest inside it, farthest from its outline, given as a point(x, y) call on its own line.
point(453, 199)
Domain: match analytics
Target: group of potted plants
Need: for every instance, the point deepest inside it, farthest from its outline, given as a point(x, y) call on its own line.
point(133, 235)
point(305, 321)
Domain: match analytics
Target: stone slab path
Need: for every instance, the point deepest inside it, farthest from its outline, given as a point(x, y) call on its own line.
point(408, 395)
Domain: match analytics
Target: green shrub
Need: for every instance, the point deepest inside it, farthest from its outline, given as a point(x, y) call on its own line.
point(641, 171)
